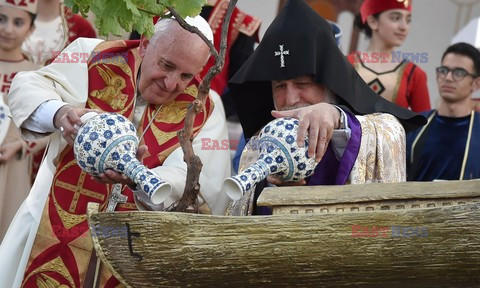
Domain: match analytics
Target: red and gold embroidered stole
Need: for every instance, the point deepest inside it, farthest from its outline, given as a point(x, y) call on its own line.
point(63, 247)
point(239, 23)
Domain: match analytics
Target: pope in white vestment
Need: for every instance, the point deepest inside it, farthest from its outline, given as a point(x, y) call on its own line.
point(52, 86)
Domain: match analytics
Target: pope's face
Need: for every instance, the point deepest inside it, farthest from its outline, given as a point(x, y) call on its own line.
point(296, 93)
point(170, 63)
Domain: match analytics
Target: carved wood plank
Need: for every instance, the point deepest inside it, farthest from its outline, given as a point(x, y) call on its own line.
point(314, 195)
point(177, 249)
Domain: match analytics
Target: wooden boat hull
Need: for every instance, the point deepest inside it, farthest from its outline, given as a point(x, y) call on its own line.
point(172, 249)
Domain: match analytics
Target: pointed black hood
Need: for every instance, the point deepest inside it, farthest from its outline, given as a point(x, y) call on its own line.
point(309, 48)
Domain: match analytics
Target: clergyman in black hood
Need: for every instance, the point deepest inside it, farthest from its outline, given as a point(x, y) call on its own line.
point(298, 71)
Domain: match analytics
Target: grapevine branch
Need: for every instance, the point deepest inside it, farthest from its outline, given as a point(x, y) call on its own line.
point(188, 202)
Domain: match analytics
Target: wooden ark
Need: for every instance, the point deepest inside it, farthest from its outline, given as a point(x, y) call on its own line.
point(371, 235)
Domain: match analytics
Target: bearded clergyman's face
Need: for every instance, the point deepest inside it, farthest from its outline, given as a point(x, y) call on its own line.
point(298, 92)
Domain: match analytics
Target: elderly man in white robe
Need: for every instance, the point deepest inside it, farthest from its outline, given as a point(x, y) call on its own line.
point(46, 242)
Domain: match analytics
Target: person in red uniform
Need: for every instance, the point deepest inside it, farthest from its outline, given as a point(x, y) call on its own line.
point(387, 70)
point(241, 38)
point(55, 27)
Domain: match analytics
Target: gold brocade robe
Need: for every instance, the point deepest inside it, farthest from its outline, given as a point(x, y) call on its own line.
point(381, 157)
point(62, 251)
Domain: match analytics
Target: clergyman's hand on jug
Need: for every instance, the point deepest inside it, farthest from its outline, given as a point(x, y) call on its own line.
point(318, 120)
point(67, 120)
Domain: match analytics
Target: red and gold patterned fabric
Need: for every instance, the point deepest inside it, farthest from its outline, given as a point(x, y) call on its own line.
point(25, 5)
point(239, 23)
point(405, 85)
point(62, 252)
point(371, 7)
point(77, 26)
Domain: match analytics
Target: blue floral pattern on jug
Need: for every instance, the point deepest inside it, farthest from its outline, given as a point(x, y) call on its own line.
point(280, 156)
point(109, 141)
point(4, 119)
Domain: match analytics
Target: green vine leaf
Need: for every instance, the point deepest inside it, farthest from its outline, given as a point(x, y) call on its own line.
point(113, 17)
point(188, 8)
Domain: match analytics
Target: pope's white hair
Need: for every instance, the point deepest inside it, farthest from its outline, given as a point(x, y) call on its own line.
point(163, 24)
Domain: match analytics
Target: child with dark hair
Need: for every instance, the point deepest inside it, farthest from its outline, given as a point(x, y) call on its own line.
point(16, 23)
point(387, 23)
point(56, 27)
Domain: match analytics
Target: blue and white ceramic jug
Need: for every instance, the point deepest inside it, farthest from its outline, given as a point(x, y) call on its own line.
point(280, 156)
point(109, 141)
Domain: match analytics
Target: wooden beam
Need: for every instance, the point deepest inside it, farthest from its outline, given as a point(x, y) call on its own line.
point(318, 250)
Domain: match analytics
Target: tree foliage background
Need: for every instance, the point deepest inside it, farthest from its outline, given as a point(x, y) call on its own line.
point(115, 16)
